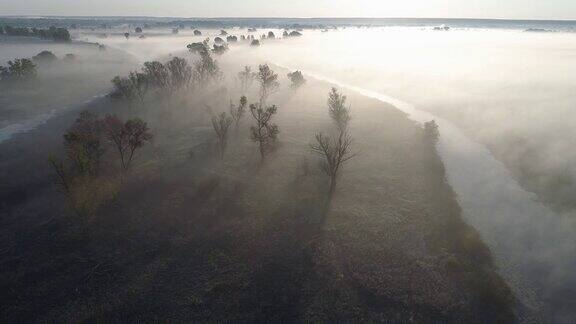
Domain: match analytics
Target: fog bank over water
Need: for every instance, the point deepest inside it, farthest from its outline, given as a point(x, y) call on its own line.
point(510, 90)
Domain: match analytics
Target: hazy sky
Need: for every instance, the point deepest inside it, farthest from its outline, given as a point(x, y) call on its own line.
point(520, 9)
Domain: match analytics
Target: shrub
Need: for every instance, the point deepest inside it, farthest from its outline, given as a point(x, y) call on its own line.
point(255, 42)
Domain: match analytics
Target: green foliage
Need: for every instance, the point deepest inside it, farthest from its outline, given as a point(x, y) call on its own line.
point(18, 70)
point(56, 34)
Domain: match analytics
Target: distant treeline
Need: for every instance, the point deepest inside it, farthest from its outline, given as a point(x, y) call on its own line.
point(53, 33)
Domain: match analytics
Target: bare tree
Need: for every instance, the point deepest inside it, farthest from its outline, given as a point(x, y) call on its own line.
point(268, 82)
point(264, 132)
point(246, 78)
point(335, 151)
point(126, 137)
point(237, 112)
point(221, 124)
point(337, 109)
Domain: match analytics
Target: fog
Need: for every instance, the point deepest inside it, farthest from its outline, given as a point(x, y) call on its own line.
point(504, 101)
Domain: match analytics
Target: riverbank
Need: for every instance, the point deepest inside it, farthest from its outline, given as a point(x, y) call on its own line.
point(191, 239)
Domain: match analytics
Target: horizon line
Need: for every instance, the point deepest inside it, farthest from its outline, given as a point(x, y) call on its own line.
point(279, 17)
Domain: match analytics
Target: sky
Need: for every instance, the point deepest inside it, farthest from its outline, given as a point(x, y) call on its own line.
point(511, 9)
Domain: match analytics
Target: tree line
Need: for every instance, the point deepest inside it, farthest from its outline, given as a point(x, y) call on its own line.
point(54, 33)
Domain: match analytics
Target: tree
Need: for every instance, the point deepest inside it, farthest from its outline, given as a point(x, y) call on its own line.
point(180, 73)
point(221, 124)
point(337, 109)
point(218, 40)
point(126, 137)
point(296, 79)
point(83, 144)
point(196, 48)
point(219, 49)
point(18, 70)
point(255, 42)
point(232, 39)
point(206, 69)
point(285, 34)
point(158, 75)
point(127, 35)
point(431, 131)
point(268, 82)
point(246, 78)
point(264, 132)
point(124, 89)
point(335, 152)
point(271, 34)
point(197, 33)
point(138, 30)
point(45, 57)
point(139, 83)
point(223, 32)
point(237, 112)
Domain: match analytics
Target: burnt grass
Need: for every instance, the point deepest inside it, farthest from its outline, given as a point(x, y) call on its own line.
point(189, 238)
